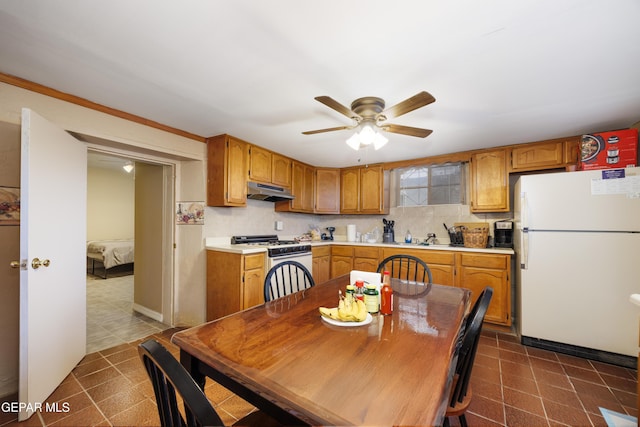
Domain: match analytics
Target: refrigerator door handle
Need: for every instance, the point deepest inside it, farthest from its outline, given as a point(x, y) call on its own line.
point(524, 213)
point(524, 250)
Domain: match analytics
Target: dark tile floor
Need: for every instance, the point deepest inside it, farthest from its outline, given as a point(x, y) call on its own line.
point(513, 385)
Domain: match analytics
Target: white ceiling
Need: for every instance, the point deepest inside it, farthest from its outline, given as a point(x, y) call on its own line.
point(502, 71)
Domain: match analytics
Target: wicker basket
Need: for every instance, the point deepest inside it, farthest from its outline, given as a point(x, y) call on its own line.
point(475, 238)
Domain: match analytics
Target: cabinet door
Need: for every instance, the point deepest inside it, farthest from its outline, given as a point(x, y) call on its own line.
point(226, 171)
point(327, 192)
point(365, 264)
point(224, 280)
point(259, 164)
point(253, 288)
point(371, 189)
point(236, 172)
point(341, 265)
point(476, 279)
point(321, 269)
point(253, 292)
point(442, 274)
point(308, 191)
point(538, 156)
point(280, 170)
point(350, 190)
point(572, 150)
point(489, 182)
point(298, 186)
point(302, 178)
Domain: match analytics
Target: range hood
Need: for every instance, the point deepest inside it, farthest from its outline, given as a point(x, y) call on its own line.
point(269, 193)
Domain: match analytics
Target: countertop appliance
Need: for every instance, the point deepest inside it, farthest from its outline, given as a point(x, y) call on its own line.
point(577, 236)
point(503, 234)
point(278, 250)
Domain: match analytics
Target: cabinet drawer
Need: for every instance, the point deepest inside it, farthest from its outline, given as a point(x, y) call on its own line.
point(342, 251)
point(437, 257)
point(365, 252)
point(318, 251)
point(428, 256)
point(253, 261)
point(485, 261)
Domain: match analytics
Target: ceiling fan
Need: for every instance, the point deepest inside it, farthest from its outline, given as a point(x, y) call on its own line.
point(369, 112)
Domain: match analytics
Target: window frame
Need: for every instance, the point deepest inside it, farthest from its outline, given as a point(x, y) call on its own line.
point(429, 186)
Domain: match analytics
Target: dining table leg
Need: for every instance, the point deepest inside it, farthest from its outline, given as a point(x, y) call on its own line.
point(190, 363)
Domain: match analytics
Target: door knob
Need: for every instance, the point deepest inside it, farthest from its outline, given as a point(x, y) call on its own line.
point(36, 263)
point(15, 264)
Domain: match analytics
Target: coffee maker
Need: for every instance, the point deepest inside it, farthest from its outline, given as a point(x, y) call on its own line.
point(503, 234)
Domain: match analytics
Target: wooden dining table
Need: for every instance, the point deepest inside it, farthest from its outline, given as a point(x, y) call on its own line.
point(286, 360)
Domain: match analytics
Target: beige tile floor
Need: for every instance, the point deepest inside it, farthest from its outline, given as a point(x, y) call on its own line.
point(111, 320)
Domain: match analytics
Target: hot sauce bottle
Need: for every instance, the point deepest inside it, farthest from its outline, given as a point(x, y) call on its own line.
point(386, 294)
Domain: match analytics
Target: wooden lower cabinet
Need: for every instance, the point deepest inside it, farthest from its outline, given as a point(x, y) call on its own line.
point(321, 267)
point(341, 260)
point(471, 270)
point(441, 263)
point(366, 258)
point(477, 271)
point(234, 282)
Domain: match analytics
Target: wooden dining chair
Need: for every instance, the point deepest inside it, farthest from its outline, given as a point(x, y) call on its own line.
point(460, 396)
point(406, 267)
point(286, 278)
point(170, 380)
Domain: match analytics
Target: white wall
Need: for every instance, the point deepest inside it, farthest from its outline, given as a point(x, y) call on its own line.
point(110, 204)
point(189, 282)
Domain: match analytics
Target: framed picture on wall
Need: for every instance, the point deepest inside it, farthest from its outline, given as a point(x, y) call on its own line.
point(9, 206)
point(190, 213)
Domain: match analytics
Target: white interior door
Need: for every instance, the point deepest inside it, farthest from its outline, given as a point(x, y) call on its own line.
point(52, 230)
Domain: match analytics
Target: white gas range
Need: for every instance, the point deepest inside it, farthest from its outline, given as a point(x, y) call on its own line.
point(278, 250)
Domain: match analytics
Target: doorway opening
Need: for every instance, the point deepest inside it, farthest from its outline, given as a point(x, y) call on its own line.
point(129, 219)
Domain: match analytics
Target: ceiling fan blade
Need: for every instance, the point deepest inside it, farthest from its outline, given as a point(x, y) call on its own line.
point(311, 132)
point(407, 130)
point(420, 100)
point(332, 103)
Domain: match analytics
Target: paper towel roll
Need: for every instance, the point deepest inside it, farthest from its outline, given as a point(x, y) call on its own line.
point(351, 232)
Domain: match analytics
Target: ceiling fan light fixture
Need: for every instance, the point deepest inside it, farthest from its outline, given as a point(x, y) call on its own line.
point(379, 141)
point(365, 137)
point(354, 141)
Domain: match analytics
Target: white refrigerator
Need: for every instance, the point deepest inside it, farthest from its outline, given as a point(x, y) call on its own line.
point(577, 242)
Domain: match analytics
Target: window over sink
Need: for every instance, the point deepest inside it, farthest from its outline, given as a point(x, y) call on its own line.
point(428, 185)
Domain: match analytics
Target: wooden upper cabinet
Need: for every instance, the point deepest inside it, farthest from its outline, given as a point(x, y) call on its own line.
point(551, 154)
point(350, 190)
point(259, 164)
point(572, 150)
point(374, 197)
point(364, 190)
point(547, 155)
point(280, 170)
point(327, 191)
point(489, 182)
point(226, 171)
point(302, 187)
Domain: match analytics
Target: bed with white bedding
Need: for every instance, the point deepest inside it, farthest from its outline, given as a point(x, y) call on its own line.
point(110, 253)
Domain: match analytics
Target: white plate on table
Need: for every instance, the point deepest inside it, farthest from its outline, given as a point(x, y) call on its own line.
point(334, 322)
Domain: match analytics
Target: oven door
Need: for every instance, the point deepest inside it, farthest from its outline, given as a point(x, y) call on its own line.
point(303, 258)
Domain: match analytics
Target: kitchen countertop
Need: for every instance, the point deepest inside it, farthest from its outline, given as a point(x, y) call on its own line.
point(224, 245)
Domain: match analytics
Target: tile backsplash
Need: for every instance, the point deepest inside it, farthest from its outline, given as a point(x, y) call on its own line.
point(259, 217)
